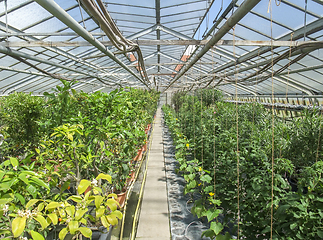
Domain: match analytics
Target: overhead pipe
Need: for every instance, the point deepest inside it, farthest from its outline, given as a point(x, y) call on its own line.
point(246, 6)
point(64, 17)
point(102, 16)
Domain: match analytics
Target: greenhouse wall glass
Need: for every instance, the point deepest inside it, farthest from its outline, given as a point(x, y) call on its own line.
point(182, 119)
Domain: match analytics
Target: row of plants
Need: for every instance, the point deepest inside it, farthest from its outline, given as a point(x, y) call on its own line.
point(66, 157)
point(226, 151)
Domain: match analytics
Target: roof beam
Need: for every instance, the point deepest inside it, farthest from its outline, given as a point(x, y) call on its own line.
point(42, 74)
point(63, 16)
point(158, 42)
point(15, 53)
point(157, 7)
point(299, 33)
point(246, 6)
point(52, 49)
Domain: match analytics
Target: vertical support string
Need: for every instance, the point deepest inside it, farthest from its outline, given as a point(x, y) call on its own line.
point(194, 123)
point(202, 160)
point(237, 120)
point(273, 124)
point(6, 10)
point(213, 131)
point(319, 137)
point(305, 19)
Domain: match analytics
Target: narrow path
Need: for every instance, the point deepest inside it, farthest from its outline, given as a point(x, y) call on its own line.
point(154, 216)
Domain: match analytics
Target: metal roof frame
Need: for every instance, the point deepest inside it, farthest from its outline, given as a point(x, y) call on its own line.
point(189, 43)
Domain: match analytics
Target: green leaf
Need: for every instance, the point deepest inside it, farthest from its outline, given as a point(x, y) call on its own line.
point(62, 233)
point(5, 200)
point(73, 226)
point(76, 198)
point(20, 198)
point(53, 217)
point(98, 201)
point(227, 236)
point(36, 235)
point(2, 173)
point(293, 225)
point(105, 222)
point(14, 162)
point(99, 212)
point(282, 209)
point(112, 220)
point(208, 233)
point(116, 214)
point(84, 184)
point(112, 204)
point(18, 226)
point(44, 224)
point(217, 227)
point(79, 213)
point(4, 232)
point(32, 190)
point(83, 220)
point(97, 190)
point(104, 176)
point(52, 205)
point(86, 232)
point(206, 178)
point(70, 136)
point(211, 214)
point(31, 202)
point(39, 182)
point(23, 177)
point(320, 233)
point(113, 195)
point(70, 210)
point(41, 206)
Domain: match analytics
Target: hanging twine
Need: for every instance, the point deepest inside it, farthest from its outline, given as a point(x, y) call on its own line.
point(202, 160)
point(273, 125)
point(213, 132)
point(237, 120)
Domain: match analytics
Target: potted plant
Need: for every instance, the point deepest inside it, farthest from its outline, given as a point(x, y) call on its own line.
point(69, 219)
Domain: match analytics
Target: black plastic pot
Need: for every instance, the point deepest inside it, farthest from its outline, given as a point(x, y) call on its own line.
point(103, 234)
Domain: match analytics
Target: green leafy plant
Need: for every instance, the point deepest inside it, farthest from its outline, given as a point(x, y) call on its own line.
point(39, 216)
point(20, 114)
point(223, 147)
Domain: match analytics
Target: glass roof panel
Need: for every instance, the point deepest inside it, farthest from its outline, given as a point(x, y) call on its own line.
point(183, 19)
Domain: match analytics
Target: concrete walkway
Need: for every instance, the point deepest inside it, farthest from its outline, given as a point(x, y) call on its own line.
point(154, 217)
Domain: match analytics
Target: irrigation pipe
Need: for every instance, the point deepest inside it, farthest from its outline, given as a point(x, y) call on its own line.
point(142, 186)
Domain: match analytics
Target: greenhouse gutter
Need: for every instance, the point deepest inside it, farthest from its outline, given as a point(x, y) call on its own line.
point(246, 6)
point(64, 17)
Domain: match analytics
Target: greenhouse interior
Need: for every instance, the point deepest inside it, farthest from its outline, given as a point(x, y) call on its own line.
point(164, 119)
